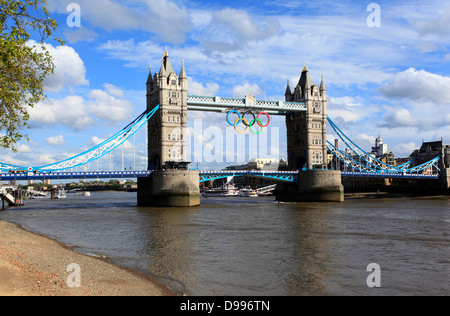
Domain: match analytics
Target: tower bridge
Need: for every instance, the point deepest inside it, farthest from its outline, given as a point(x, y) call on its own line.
point(169, 182)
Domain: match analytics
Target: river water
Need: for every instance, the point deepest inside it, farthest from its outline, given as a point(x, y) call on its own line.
point(256, 246)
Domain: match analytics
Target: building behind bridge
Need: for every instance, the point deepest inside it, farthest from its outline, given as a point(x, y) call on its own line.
point(260, 164)
point(427, 152)
point(379, 151)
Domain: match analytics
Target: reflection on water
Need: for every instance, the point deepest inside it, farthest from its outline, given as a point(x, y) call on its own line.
point(244, 246)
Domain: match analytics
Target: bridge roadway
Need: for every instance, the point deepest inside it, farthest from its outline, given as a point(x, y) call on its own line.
point(288, 176)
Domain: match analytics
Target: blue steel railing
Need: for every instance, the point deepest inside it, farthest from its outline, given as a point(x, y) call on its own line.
point(286, 176)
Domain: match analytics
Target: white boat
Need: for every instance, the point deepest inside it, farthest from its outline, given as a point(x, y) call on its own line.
point(61, 194)
point(224, 191)
point(248, 193)
point(86, 193)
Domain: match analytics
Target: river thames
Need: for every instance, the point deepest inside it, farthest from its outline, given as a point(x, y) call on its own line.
point(256, 246)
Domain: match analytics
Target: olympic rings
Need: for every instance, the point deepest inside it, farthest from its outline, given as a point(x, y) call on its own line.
point(228, 115)
point(241, 118)
point(245, 123)
point(259, 122)
point(254, 118)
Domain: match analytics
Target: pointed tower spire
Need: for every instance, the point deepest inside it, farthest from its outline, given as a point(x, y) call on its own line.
point(162, 71)
point(322, 85)
point(288, 89)
point(166, 66)
point(182, 72)
point(150, 77)
point(305, 81)
point(305, 68)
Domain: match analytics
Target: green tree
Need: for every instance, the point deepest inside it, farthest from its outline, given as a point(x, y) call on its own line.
point(23, 67)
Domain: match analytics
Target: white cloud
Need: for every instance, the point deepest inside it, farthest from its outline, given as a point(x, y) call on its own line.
point(196, 88)
point(417, 85)
point(70, 112)
point(231, 29)
point(69, 68)
point(365, 141)
point(439, 25)
point(421, 103)
point(45, 159)
point(109, 108)
point(22, 148)
point(404, 149)
point(240, 91)
point(76, 113)
point(399, 117)
point(162, 17)
point(113, 90)
point(56, 140)
point(348, 109)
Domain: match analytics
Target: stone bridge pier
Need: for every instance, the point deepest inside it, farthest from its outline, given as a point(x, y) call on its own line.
point(313, 186)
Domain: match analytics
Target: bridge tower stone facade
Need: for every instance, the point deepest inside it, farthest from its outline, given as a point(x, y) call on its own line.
point(167, 128)
point(307, 131)
point(307, 147)
point(171, 184)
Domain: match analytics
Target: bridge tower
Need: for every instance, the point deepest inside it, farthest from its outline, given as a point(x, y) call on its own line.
point(171, 184)
point(307, 147)
point(167, 128)
point(307, 131)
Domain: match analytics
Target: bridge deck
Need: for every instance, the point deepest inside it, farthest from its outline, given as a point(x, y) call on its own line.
point(219, 104)
point(390, 175)
point(204, 175)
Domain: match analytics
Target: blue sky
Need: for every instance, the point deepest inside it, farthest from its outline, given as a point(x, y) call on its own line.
point(392, 80)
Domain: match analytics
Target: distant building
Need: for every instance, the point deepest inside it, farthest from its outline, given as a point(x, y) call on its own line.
point(429, 151)
point(269, 164)
point(381, 152)
point(380, 148)
point(262, 164)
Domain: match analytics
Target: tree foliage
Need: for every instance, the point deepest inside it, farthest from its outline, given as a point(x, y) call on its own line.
point(23, 67)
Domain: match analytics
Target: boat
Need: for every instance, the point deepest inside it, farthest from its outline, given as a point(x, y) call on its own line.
point(61, 194)
point(87, 193)
point(248, 192)
point(226, 190)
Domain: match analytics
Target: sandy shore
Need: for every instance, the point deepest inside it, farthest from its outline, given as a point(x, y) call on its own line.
point(33, 265)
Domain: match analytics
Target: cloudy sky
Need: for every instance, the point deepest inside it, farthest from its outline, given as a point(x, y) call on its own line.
point(387, 70)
